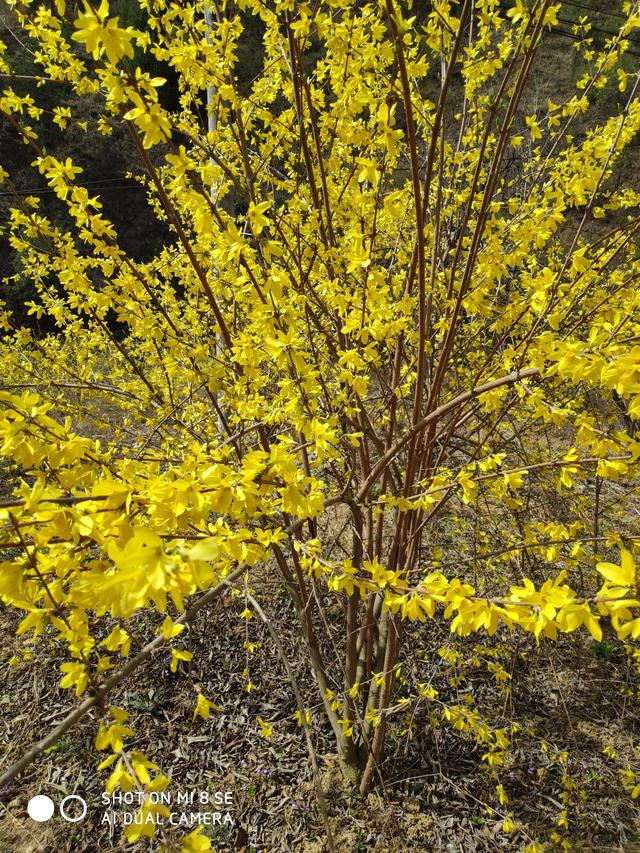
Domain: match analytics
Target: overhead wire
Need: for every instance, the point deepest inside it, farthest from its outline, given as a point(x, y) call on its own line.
point(122, 184)
point(575, 37)
point(95, 185)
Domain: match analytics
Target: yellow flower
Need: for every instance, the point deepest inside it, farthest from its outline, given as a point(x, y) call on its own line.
point(532, 124)
point(623, 575)
point(101, 35)
point(266, 729)
point(257, 218)
point(298, 718)
point(203, 707)
point(169, 630)
point(177, 655)
point(195, 842)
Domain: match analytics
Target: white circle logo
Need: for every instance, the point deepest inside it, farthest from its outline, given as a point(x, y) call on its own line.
point(83, 806)
point(40, 808)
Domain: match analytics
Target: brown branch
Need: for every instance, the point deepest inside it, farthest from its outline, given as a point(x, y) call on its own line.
point(381, 464)
point(303, 717)
point(113, 681)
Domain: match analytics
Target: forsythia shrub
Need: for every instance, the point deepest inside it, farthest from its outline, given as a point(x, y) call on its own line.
point(387, 286)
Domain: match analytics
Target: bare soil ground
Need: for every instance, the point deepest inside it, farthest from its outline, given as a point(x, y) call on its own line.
point(437, 794)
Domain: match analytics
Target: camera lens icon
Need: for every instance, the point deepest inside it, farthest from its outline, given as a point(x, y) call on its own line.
point(72, 808)
point(40, 808)
point(72, 817)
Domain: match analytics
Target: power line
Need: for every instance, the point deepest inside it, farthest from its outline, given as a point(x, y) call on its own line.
point(576, 37)
point(565, 34)
point(594, 11)
point(593, 29)
point(96, 185)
